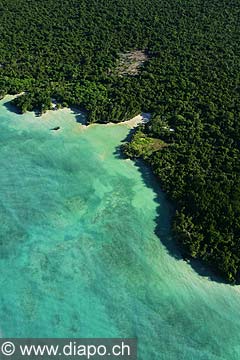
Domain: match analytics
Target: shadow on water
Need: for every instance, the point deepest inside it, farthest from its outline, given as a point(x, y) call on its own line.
point(11, 107)
point(165, 212)
point(80, 115)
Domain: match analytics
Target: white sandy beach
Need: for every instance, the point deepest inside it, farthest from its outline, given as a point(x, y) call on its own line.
point(142, 118)
point(135, 121)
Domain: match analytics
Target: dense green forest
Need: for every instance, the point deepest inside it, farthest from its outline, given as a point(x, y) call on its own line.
point(68, 50)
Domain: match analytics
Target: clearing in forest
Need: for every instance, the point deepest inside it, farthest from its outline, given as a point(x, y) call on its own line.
point(131, 62)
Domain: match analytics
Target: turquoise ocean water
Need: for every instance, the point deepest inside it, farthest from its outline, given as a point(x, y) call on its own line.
point(78, 252)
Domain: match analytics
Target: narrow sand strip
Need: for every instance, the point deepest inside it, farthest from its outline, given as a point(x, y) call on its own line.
point(132, 123)
point(142, 118)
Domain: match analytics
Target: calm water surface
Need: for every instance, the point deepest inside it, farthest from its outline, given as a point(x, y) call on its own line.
point(78, 252)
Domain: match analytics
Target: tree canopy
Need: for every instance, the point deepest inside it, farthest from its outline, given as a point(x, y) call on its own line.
point(68, 49)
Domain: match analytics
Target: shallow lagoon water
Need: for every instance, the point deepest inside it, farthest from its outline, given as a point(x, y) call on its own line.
point(78, 252)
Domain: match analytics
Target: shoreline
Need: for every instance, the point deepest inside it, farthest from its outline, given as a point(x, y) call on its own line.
point(142, 118)
point(137, 120)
